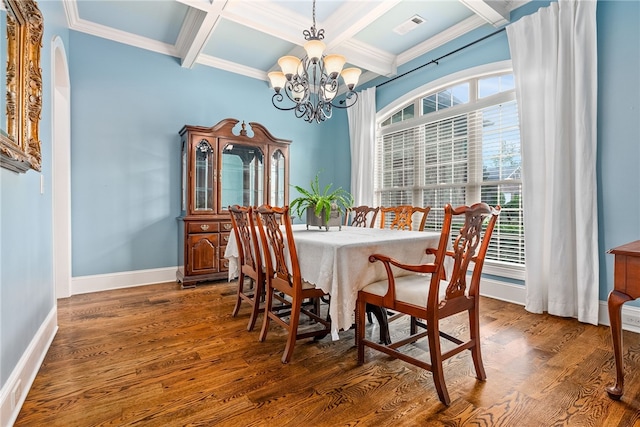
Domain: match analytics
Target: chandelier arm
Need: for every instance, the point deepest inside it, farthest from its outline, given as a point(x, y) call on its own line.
point(351, 94)
point(277, 97)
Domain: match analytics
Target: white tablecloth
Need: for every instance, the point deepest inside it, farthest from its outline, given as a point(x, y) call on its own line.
point(337, 261)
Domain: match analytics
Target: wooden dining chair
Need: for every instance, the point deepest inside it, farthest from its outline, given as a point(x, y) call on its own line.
point(284, 282)
point(402, 217)
point(361, 216)
point(249, 262)
point(423, 295)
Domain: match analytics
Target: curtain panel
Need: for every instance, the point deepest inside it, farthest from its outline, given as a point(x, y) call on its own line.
point(362, 135)
point(554, 57)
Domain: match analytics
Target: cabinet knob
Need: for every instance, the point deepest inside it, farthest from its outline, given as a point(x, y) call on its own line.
point(226, 238)
point(227, 226)
point(204, 227)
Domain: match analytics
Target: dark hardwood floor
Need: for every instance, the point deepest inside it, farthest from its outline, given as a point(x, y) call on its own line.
point(161, 356)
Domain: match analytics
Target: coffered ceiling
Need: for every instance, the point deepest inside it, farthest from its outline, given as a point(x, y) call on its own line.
point(248, 36)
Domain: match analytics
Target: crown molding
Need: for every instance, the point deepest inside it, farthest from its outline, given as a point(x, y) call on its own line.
point(232, 67)
point(369, 57)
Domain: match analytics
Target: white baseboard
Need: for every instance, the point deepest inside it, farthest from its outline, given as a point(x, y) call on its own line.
point(126, 279)
point(517, 294)
point(503, 291)
point(630, 317)
point(17, 386)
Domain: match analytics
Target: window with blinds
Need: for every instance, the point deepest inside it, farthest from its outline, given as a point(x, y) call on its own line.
point(462, 147)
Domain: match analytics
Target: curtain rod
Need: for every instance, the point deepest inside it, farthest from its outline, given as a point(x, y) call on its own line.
point(435, 61)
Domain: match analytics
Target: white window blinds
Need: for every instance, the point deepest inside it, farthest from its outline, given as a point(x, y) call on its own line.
point(463, 148)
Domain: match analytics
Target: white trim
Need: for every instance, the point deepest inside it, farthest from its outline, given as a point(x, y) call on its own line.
point(630, 317)
point(27, 368)
point(232, 67)
point(125, 279)
point(516, 294)
point(61, 168)
point(503, 291)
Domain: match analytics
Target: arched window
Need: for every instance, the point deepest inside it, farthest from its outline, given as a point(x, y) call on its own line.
point(457, 140)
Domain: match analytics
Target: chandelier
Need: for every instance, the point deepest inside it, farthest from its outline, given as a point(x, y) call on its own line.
point(310, 84)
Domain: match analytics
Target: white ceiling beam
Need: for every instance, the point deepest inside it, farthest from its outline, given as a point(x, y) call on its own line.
point(196, 31)
point(495, 13)
point(368, 57)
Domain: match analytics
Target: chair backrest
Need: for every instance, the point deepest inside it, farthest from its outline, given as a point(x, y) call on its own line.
point(279, 247)
point(244, 228)
point(363, 216)
point(402, 217)
point(470, 245)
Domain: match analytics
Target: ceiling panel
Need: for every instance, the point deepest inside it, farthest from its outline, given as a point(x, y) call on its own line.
point(438, 15)
point(246, 46)
point(157, 20)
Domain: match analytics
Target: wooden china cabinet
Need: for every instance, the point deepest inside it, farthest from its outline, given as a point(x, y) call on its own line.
point(223, 165)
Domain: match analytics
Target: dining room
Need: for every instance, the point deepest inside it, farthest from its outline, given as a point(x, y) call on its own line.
point(97, 235)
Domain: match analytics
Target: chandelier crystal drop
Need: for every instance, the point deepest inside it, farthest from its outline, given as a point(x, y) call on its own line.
point(311, 84)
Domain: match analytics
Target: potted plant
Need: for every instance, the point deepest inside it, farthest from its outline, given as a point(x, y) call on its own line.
point(323, 207)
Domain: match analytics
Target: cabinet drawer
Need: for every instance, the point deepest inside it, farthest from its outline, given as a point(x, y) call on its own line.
point(202, 227)
point(226, 226)
point(223, 263)
point(224, 239)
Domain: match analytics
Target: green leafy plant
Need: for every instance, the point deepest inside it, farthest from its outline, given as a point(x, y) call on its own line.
point(319, 200)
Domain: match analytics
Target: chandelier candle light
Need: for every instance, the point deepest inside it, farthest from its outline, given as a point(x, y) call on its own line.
point(311, 84)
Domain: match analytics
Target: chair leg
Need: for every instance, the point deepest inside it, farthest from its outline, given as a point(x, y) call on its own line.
point(436, 363)
point(476, 353)
point(257, 296)
point(360, 314)
point(267, 313)
point(294, 319)
point(381, 316)
point(239, 292)
point(413, 328)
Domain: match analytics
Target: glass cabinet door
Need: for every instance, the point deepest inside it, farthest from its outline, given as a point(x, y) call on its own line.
point(242, 173)
point(204, 174)
point(277, 180)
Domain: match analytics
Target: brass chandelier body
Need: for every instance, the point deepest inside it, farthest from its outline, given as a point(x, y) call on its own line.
point(309, 86)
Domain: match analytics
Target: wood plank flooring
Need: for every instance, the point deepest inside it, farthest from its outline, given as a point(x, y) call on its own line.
point(159, 355)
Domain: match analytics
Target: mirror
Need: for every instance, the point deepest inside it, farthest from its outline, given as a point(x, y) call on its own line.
point(19, 139)
point(242, 175)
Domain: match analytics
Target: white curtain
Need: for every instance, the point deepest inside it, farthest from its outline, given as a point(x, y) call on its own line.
point(362, 133)
point(555, 67)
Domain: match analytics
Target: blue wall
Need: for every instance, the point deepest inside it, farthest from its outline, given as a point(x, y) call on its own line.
point(26, 270)
point(618, 131)
point(127, 108)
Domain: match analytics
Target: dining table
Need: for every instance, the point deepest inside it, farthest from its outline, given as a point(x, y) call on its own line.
point(337, 261)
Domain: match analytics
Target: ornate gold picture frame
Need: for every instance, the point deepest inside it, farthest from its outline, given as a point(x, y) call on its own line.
point(19, 139)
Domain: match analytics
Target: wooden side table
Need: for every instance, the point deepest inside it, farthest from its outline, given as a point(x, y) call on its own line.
point(626, 287)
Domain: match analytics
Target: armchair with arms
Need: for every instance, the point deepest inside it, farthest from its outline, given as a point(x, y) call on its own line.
point(425, 295)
